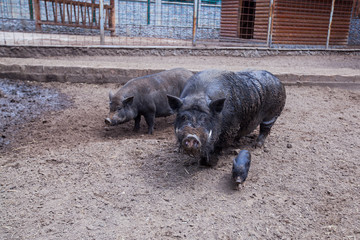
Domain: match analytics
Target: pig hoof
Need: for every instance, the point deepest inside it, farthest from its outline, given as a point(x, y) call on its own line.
point(108, 121)
point(204, 162)
point(260, 144)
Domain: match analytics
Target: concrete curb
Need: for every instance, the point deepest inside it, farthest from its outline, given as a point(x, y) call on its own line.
point(72, 74)
point(30, 51)
point(121, 76)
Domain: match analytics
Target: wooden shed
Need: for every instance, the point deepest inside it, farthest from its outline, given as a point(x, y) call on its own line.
point(290, 22)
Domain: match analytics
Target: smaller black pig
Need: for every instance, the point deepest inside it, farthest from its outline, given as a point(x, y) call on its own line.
point(146, 96)
point(241, 166)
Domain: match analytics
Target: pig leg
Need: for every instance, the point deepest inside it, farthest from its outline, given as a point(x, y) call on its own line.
point(204, 161)
point(265, 128)
point(137, 123)
point(150, 119)
point(210, 159)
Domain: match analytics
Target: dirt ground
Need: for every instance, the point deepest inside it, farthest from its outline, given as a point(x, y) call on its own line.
point(65, 175)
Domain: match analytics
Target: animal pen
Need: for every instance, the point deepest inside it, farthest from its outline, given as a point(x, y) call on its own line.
point(202, 23)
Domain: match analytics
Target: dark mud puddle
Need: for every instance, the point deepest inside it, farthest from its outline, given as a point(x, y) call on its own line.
point(22, 102)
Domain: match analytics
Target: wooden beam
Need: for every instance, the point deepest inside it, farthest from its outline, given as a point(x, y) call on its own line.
point(112, 17)
point(37, 15)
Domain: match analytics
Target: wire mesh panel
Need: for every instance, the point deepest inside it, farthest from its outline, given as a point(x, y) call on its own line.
point(245, 21)
point(308, 22)
point(20, 9)
point(354, 32)
point(155, 22)
point(166, 22)
point(137, 22)
point(208, 25)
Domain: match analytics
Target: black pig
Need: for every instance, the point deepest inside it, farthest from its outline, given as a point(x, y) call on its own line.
point(217, 107)
point(241, 166)
point(146, 96)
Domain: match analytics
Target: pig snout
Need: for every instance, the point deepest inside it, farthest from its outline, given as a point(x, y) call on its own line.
point(107, 121)
point(115, 120)
point(191, 144)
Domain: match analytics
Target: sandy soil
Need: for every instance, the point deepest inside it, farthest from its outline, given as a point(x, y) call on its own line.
point(65, 175)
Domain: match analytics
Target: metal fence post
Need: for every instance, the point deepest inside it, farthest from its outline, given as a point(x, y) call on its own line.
point(270, 24)
point(195, 16)
point(148, 12)
point(330, 23)
point(93, 12)
point(31, 10)
point(101, 13)
point(199, 14)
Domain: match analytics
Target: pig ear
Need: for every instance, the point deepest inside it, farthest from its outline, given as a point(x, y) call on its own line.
point(174, 102)
point(217, 106)
point(128, 101)
point(110, 96)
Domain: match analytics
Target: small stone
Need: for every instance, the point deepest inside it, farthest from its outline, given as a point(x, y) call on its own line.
point(289, 145)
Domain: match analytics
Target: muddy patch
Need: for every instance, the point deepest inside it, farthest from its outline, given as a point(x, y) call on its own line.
point(21, 102)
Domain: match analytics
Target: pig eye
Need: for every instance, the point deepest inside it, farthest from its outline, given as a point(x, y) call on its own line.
point(185, 117)
point(202, 118)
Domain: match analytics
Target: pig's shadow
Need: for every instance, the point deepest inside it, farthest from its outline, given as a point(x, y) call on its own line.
point(163, 127)
point(171, 168)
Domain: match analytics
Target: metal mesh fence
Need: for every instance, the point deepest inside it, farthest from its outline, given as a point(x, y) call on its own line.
point(137, 23)
point(354, 32)
point(268, 23)
point(15, 9)
point(311, 22)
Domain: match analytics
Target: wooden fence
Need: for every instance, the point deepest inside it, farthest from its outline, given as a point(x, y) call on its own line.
point(74, 14)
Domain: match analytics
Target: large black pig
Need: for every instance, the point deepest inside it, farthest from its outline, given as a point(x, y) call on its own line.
point(217, 107)
point(146, 96)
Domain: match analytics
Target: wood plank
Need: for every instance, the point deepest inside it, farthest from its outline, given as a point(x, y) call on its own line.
point(74, 25)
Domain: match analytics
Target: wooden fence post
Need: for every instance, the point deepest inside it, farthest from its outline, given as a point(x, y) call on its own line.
point(37, 15)
point(112, 20)
point(195, 17)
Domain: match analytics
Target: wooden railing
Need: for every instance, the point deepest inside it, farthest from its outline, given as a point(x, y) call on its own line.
point(74, 14)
